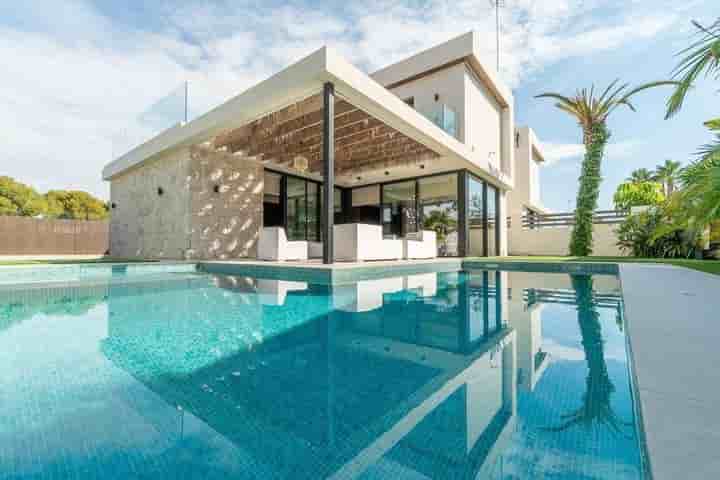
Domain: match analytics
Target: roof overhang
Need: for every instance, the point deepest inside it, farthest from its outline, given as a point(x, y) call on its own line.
point(462, 49)
point(300, 81)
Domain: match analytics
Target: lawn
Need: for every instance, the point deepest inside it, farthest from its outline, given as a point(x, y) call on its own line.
point(709, 266)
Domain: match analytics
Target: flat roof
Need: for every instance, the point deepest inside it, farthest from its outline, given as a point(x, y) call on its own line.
point(297, 82)
point(464, 48)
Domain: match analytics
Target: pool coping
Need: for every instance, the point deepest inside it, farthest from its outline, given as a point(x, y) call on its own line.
point(669, 314)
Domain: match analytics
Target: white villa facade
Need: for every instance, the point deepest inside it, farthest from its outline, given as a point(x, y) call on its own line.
point(428, 143)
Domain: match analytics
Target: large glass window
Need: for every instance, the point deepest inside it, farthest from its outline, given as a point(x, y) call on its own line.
point(272, 205)
point(476, 217)
point(439, 210)
point(492, 221)
point(399, 209)
point(303, 209)
point(365, 205)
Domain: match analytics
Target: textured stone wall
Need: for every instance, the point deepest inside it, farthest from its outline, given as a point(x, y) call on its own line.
point(225, 206)
point(145, 223)
point(210, 207)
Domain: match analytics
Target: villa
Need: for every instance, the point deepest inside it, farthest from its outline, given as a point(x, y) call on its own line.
point(430, 139)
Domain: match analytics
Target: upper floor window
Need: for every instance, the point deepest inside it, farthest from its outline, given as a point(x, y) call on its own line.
point(445, 118)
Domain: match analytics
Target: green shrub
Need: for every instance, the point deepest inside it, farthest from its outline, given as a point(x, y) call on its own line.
point(649, 235)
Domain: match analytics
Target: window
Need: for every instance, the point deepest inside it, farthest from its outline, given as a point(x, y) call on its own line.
point(399, 208)
point(439, 210)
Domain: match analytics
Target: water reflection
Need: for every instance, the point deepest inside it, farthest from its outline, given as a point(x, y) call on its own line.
point(437, 375)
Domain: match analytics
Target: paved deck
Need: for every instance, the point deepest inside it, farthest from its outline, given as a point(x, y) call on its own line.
point(673, 322)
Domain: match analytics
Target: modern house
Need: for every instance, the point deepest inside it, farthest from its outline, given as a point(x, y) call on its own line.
point(426, 143)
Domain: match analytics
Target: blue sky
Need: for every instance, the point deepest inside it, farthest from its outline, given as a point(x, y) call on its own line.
point(76, 72)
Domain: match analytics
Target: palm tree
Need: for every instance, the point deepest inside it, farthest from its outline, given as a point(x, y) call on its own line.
point(701, 179)
point(592, 112)
point(640, 175)
point(703, 56)
point(667, 174)
point(701, 182)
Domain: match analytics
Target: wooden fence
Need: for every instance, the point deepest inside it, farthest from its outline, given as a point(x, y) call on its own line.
point(37, 236)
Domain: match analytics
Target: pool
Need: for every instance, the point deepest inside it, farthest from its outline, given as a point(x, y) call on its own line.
point(175, 373)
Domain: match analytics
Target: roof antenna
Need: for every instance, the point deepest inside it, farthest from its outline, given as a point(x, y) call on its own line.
point(497, 5)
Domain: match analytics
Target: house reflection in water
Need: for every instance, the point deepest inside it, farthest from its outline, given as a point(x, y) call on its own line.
point(406, 374)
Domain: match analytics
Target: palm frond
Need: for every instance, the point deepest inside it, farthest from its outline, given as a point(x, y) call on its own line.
point(701, 56)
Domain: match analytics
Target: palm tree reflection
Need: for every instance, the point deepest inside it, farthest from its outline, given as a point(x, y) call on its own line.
point(596, 408)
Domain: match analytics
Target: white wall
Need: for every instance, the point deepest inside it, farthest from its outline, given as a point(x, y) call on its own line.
point(448, 84)
point(554, 241)
point(483, 121)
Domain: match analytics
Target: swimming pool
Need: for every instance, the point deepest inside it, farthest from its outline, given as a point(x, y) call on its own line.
point(174, 373)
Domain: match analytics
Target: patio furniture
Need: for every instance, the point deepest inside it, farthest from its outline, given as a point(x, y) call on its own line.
point(422, 244)
point(358, 241)
point(274, 246)
point(315, 249)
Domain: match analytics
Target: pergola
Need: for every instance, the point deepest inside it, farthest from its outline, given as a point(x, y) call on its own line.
point(328, 136)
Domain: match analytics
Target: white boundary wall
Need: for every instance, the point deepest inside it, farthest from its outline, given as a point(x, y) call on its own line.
point(554, 241)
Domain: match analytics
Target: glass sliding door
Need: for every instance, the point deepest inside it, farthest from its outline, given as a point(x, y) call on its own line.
point(365, 205)
point(313, 212)
point(296, 218)
point(476, 217)
point(303, 209)
point(492, 221)
point(439, 210)
point(272, 201)
point(399, 208)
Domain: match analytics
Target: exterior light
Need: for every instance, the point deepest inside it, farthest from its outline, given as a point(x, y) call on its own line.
point(300, 163)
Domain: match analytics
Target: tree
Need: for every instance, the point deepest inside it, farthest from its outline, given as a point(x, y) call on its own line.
point(20, 199)
point(668, 174)
point(640, 175)
point(74, 204)
point(702, 57)
point(637, 194)
point(701, 179)
point(592, 111)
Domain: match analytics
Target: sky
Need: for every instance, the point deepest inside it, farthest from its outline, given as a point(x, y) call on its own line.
point(75, 73)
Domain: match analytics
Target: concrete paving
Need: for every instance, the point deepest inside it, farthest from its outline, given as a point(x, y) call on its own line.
point(673, 322)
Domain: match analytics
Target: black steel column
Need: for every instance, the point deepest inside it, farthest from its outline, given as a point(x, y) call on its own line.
point(463, 209)
point(328, 208)
point(284, 202)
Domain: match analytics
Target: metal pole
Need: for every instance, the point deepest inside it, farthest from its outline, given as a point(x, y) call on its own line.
point(328, 208)
point(186, 101)
point(497, 33)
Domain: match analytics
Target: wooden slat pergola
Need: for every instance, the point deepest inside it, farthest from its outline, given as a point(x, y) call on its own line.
point(362, 142)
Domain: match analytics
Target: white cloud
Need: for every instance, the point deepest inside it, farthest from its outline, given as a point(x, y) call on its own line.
point(72, 77)
point(555, 152)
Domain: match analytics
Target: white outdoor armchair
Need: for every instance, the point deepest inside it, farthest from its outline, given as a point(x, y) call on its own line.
point(354, 242)
point(274, 245)
point(422, 244)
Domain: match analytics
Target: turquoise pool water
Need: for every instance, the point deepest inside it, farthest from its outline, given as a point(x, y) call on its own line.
point(176, 374)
